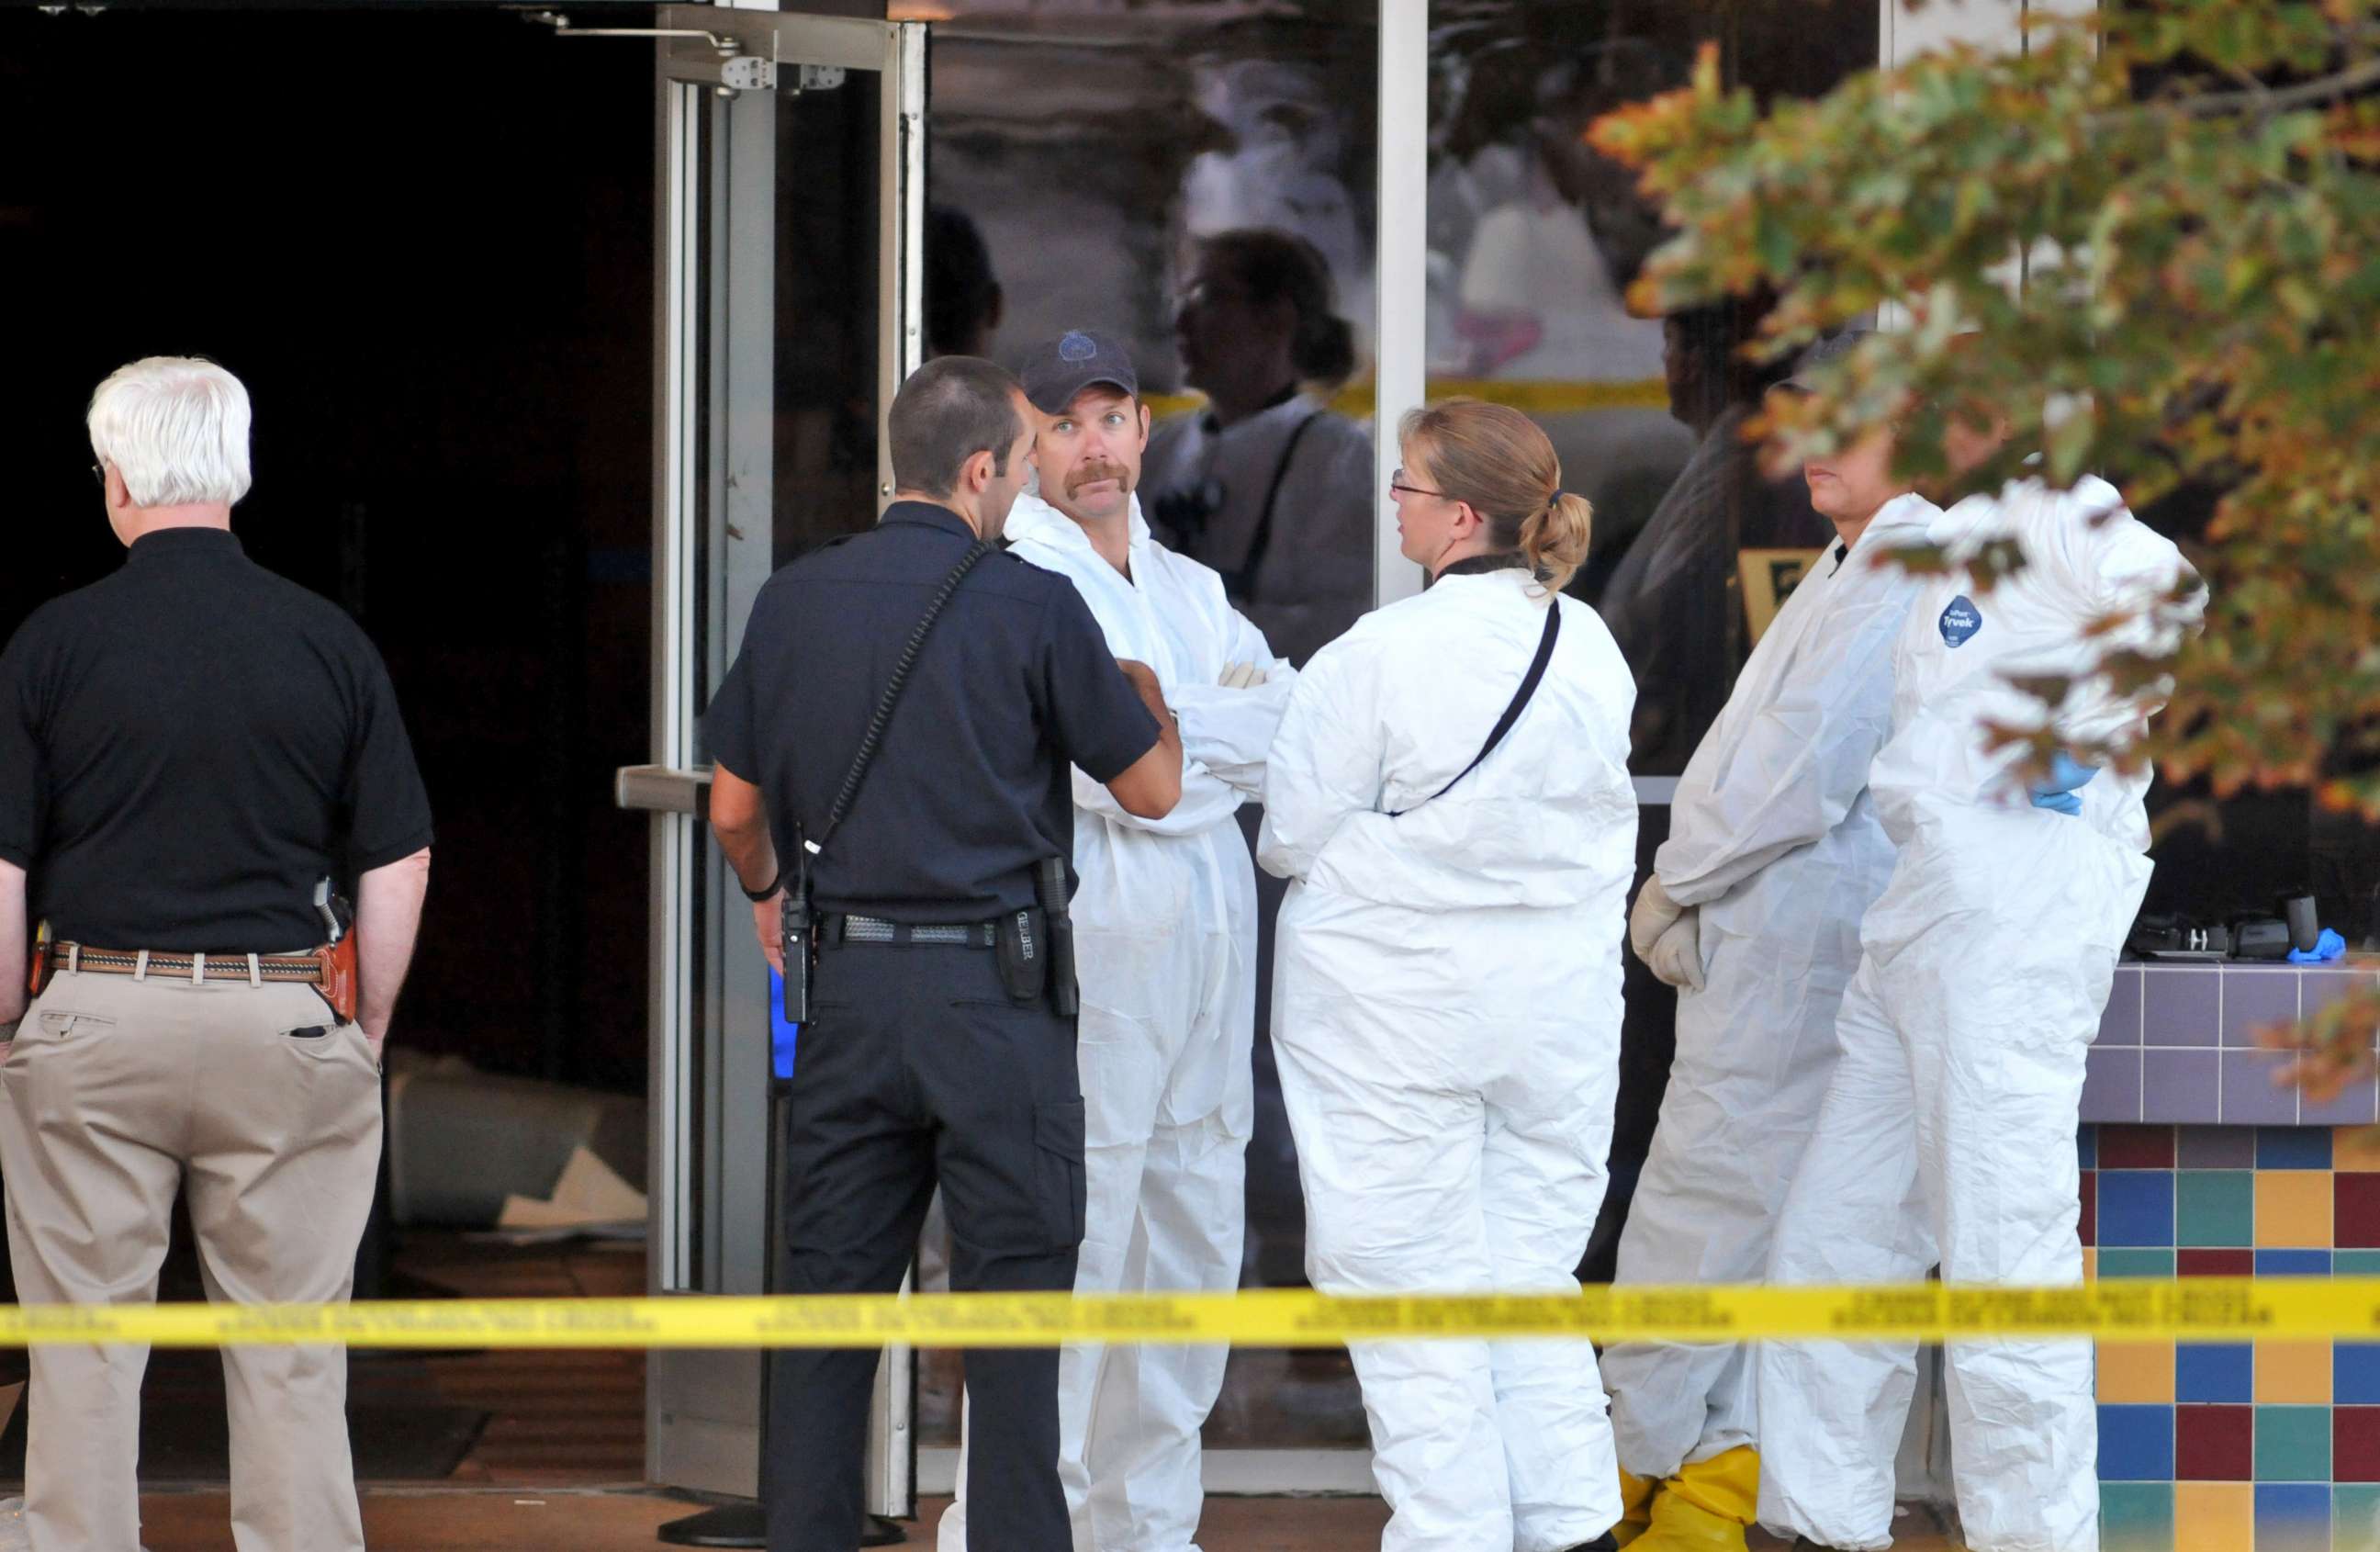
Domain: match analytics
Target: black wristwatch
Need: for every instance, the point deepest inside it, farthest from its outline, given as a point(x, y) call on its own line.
point(774, 884)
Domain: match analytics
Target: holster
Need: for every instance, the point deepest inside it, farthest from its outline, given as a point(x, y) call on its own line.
point(338, 987)
point(1024, 951)
point(38, 975)
point(1057, 912)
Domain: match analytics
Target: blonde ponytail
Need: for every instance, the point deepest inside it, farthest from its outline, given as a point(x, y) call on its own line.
point(1499, 461)
point(1555, 541)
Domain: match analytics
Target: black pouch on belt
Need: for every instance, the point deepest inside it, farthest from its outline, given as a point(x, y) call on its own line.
point(1025, 955)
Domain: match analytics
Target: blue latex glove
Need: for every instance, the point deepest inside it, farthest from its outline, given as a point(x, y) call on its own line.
point(2057, 791)
point(2329, 946)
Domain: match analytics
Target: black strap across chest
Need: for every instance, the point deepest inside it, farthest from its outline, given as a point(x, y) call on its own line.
point(892, 688)
point(1241, 583)
point(1521, 698)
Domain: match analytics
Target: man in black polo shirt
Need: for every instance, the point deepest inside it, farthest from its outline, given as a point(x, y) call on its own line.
point(187, 749)
point(919, 1064)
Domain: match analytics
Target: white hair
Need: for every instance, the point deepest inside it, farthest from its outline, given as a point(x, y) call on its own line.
point(176, 428)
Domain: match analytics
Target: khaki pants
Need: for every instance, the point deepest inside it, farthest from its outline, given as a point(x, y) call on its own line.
point(117, 1093)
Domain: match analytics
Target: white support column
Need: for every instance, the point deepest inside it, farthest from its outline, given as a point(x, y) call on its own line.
point(1401, 214)
point(1994, 26)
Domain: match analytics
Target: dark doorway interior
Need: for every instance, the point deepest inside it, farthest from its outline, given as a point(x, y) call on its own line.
point(424, 237)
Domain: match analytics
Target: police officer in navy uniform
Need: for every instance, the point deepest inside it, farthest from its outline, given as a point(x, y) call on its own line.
point(923, 1062)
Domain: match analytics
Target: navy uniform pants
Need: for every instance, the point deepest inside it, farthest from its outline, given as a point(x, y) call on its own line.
point(917, 1067)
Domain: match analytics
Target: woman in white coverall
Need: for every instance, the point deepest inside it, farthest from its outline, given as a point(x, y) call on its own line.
point(1947, 1131)
point(1447, 985)
point(1165, 943)
point(1753, 912)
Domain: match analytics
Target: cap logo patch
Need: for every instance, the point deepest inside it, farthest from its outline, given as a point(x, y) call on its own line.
point(1077, 346)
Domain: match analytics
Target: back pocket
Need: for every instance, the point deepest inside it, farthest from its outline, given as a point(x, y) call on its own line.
point(64, 1024)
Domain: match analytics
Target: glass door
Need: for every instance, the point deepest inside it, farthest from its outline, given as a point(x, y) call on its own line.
point(789, 174)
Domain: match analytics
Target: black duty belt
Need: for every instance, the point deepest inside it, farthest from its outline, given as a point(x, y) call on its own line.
point(871, 930)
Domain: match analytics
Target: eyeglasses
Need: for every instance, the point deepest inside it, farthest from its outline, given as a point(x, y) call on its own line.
point(1397, 482)
point(1208, 294)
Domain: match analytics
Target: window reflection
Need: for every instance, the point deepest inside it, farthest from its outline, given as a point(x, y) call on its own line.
point(1673, 598)
point(1267, 483)
point(1202, 190)
point(1197, 180)
point(1534, 240)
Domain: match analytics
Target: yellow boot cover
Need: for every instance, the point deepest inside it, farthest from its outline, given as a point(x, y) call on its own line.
point(1706, 1507)
point(1635, 1506)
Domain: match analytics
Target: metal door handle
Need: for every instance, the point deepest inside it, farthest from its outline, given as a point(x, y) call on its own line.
point(562, 28)
point(661, 789)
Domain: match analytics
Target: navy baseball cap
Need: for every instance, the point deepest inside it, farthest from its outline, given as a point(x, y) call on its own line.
point(1058, 371)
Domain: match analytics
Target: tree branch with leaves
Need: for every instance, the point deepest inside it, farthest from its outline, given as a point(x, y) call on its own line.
point(2152, 242)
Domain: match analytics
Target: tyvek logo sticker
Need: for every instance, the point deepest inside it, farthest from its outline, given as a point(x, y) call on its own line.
point(1960, 621)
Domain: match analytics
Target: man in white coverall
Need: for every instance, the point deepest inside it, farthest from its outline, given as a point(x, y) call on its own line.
point(1165, 938)
point(1947, 1132)
point(1752, 913)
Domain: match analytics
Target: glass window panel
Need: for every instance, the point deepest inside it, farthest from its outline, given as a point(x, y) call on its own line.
point(1081, 152)
point(1198, 181)
point(1534, 238)
point(827, 238)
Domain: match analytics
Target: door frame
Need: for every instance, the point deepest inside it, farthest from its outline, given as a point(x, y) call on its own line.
point(715, 89)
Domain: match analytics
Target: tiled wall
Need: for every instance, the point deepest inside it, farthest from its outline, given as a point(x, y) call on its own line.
point(2177, 1044)
point(2273, 1446)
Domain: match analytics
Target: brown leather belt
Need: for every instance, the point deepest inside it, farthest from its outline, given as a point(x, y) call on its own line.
point(288, 968)
point(330, 970)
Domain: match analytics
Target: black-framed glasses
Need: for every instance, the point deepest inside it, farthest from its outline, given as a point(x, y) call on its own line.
point(1397, 482)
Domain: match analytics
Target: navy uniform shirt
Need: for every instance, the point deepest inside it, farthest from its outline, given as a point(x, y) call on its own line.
point(188, 746)
point(970, 786)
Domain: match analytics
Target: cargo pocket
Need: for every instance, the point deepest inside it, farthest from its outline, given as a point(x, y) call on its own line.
point(1058, 1143)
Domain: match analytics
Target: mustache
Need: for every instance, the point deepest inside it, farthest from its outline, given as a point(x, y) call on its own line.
point(1092, 473)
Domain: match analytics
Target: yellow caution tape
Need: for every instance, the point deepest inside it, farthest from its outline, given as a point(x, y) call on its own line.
point(2190, 1309)
point(1530, 397)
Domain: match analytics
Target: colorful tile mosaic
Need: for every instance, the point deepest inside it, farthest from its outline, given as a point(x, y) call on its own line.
point(2234, 1447)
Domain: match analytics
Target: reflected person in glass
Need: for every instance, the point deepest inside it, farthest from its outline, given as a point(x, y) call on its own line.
point(1267, 484)
point(1669, 602)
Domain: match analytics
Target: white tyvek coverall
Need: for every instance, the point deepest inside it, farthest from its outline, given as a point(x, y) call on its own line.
point(1165, 944)
point(1445, 1014)
point(1947, 1132)
point(1773, 836)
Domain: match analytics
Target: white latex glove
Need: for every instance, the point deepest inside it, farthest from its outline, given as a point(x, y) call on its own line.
point(1243, 676)
point(1654, 912)
point(1677, 956)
